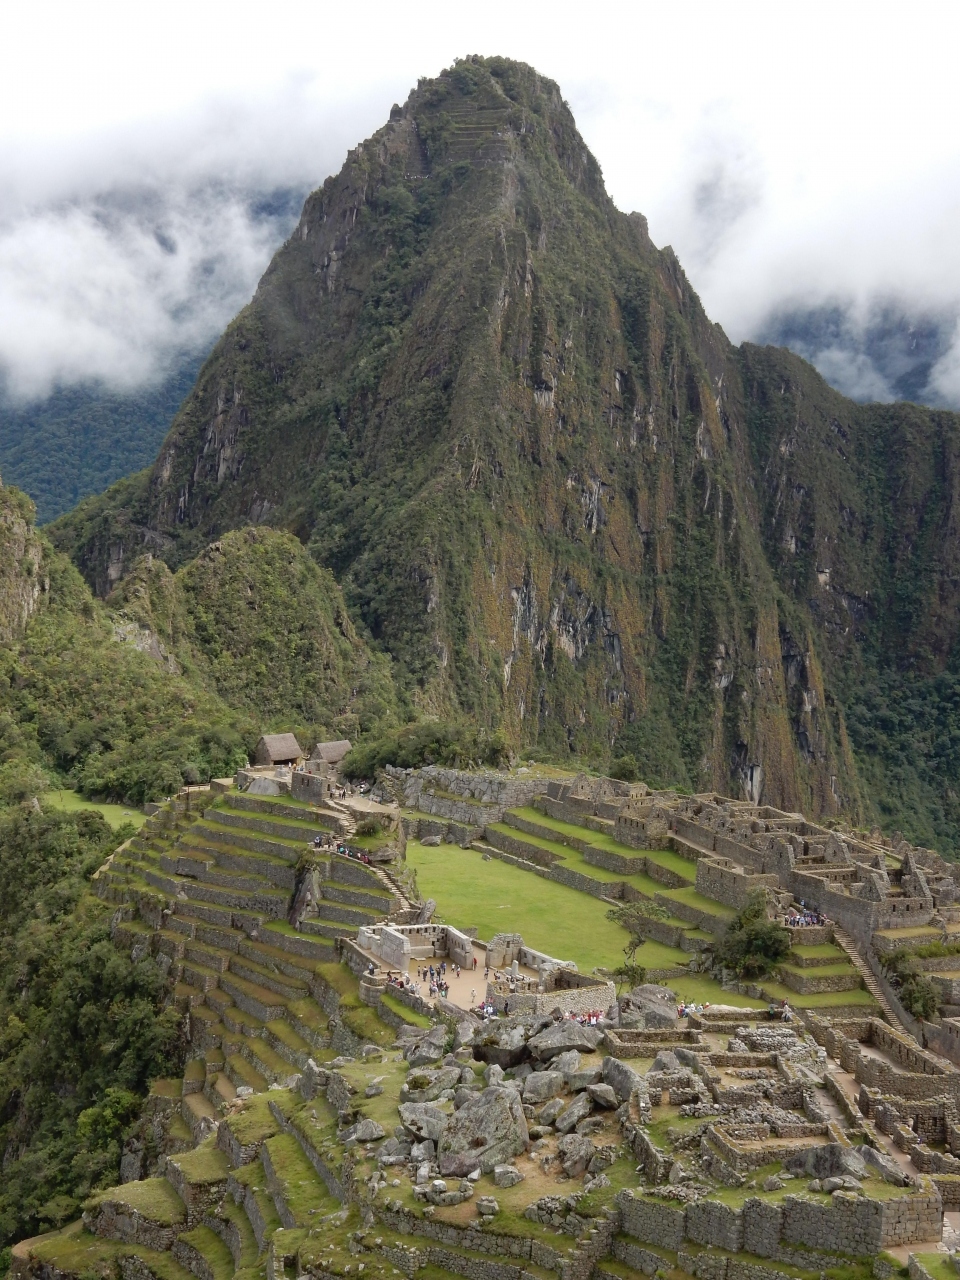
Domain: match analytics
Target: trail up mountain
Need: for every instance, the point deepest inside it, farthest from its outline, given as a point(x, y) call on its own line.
point(554, 492)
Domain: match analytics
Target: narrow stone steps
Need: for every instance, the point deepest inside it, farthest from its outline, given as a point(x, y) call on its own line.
point(279, 934)
point(285, 1041)
point(233, 1227)
point(323, 929)
point(844, 940)
point(276, 958)
point(200, 976)
point(233, 839)
point(195, 1109)
point(265, 1059)
point(210, 957)
point(309, 1022)
point(297, 1189)
point(240, 1023)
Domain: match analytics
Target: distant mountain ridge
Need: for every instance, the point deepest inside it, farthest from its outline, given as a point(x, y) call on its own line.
point(554, 492)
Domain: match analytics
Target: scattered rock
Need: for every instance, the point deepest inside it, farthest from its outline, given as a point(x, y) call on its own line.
point(487, 1207)
point(772, 1183)
point(548, 1114)
point(604, 1096)
point(578, 1110)
point(575, 1154)
point(541, 1086)
point(423, 1120)
point(506, 1175)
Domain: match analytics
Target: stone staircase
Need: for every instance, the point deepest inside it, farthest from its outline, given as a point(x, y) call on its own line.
point(852, 949)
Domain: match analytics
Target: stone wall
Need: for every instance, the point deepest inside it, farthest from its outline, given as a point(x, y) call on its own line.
point(308, 787)
point(842, 1223)
point(727, 883)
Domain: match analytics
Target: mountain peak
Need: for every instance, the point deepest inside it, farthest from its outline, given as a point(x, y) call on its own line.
point(548, 485)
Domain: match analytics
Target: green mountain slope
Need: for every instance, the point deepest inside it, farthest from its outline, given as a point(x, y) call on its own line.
point(173, 678)
point(550, 487)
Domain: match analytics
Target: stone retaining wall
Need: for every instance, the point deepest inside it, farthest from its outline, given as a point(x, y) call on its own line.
point(844, 1223)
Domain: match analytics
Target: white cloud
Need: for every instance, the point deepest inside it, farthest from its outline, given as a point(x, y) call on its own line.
point(793, 155)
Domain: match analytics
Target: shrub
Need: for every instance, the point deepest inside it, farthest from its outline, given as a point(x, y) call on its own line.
point(753, 944)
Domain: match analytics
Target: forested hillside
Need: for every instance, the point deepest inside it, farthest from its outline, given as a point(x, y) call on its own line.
point(81, 439)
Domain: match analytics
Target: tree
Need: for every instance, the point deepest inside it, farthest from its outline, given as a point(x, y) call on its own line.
point(752, 944)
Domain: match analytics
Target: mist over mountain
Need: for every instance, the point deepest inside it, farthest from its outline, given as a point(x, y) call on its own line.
point(891, 353)
point(555, 493)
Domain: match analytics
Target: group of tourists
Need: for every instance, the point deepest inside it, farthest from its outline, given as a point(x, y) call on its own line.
point(355, 855)
point(795, 919)
point(686, 1007)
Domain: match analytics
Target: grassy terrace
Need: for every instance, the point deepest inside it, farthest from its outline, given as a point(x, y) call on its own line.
point(496, 896)
point(575, 861)
point(71, 802)
point(600, 840)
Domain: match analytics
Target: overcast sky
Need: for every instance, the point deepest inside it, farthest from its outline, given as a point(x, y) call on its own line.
point(793, 154)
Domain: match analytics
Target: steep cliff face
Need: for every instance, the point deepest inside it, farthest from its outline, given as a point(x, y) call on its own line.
point(547, 484)
point(24, 581)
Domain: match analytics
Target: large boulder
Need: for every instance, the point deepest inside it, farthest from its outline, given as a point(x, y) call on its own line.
point(578, 1110)
point(423, 1120)
point(541, 1086)
point(429, 1049)
point(423, 1086)
point(622, 1079)
point(658, 1005)
point(575, 1152)
point(562, 1037)
point(828, 1161)
point(507, 1048)
point(666, 1060)
point(488, 1130)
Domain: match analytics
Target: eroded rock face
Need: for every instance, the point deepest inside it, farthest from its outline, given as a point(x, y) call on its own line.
point(488, 1130)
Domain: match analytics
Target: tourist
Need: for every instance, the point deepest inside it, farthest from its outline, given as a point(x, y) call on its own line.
point(474, 964)
point(473, 997)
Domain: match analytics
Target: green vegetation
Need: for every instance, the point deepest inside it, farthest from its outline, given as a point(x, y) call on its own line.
point(82, 1028)
point(81, 439)
point(68, 801)
point(753, 945)
point(432, 742)
point(495, 896)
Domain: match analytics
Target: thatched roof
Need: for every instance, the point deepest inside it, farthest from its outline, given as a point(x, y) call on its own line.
point(276, 748)
point(331, 752)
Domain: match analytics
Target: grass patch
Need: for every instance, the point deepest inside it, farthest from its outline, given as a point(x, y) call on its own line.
point(938, 1265)
point(705, 990)
point(72, 802)
point(820, 970)
point(254, 1123)
point(203, 1165)
point(154, 1198)
point(213, 1251)
point(657, 955)
point(820, 952)
point(303, 1191)
point(819, 1000)
point(409, 1016)
point(498, 897)
point(691, 898)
